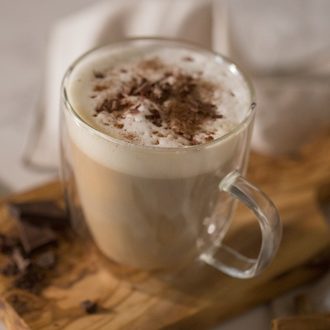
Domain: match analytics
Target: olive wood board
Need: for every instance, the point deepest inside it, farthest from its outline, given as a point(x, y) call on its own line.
point(303, 322)
point(198, 297)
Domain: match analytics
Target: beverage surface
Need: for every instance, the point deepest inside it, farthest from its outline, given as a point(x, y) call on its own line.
point(159, 96)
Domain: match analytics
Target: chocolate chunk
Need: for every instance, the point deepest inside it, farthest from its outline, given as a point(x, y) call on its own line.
point(8, 244)
point(21, 262)
point(33, 237)
point(10, 269)
point(89, 307)
point(34, 220)
point(32, 279)
point(44, 214)
point(46, 260)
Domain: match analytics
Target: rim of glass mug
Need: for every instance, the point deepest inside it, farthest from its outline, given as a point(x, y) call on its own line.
point(232, 67)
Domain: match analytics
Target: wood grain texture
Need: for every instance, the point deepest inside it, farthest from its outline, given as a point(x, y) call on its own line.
point(199, 296)
point(10, 319)
point(306, 322)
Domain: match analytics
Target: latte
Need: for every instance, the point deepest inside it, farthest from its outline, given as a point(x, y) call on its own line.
point(148, 130)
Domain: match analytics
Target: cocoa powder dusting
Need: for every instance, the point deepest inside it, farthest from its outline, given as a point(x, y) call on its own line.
point(178, 101)
point(98, 75)
point(188, 59)
point(99, 88)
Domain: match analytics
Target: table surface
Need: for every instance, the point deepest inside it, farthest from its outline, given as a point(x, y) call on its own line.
point(24, 27)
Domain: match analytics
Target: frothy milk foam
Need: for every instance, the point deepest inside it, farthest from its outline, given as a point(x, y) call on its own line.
point(145, 187)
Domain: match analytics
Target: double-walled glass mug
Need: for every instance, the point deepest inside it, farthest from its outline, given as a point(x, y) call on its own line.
point(158, 207)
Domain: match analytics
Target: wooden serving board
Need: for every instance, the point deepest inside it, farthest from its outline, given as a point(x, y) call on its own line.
point(305, 322)
point(198, 297)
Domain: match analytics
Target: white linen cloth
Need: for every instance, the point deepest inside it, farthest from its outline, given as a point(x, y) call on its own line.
point(286, 47)
point(201, 21)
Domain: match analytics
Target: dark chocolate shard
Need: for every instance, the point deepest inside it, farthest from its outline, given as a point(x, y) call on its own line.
point(9, 269)
point(32, 279)
point(43, 214)
point(21, 262)
point(8, 244)
point(89, 307)
point(33, 237)
point(46, 260)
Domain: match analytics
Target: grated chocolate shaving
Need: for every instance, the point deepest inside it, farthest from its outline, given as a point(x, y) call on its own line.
point(99, 88)
point(9, 269)
point(177, 100)
point(98, 75)
point(8, 244)
point(89, 307)
point(188, 59)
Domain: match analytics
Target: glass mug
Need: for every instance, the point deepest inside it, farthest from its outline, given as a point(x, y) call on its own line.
point(160, 208)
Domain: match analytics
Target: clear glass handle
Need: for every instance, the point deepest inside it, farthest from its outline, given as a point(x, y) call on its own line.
point(230, 261)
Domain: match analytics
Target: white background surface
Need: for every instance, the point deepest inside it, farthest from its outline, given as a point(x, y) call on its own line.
point(24, 27)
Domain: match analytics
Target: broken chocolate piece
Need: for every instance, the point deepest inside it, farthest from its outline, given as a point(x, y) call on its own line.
point(90, 307)
point(28, 272)
point(32, 279)
point(34, 237)
point(46, 260)
point(45, 214)
point(10, 269)
point(21, 262)
point(8, 244)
